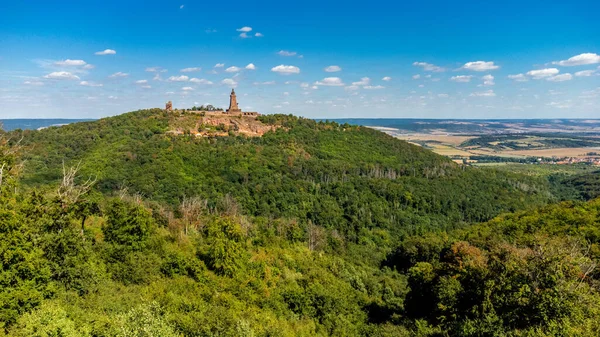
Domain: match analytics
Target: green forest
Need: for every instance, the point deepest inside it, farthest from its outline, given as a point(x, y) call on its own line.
point(117, 228)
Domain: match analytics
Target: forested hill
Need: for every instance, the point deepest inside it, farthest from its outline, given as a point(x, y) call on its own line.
point(338, 176)
point(314, 229)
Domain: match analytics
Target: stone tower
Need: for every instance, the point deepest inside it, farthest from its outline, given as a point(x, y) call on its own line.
point(233, 105)
point(169, 106)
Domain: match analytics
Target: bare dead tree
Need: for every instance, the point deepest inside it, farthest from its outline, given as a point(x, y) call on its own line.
point(191, 210)
point(70, 191)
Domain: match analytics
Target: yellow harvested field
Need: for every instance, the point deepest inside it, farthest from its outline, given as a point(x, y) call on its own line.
point(558, 152)
point(446, 139)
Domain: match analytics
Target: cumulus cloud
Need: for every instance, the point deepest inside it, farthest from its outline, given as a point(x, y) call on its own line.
point(258, 35)
point(579, 60)
point(219, 65)
point(518, 78)
point(61, 75)
point(371, 87)
point(542, 73)
point(146, 86)
point(156, 70)
point(461, 78)
point(330, 81)
point(190, 70)
point(487, 93)
point(200, 81)
point(69, 62)
point(428, 66)
point(232, 69)
point(416, 77)
point(585, 73)
point(187, 88)
point(181, 78)
point(245, 29)
point(387, 78)
point(118, 74)
point(244, 35)
point(106, 52)
point(363, 81)
point(36, 83)
point(488, 80)
point(560, 78)
point(286, 70)
point(251, 66)
point(333, 69)
point(286, 53)
point(230, 82)
point(90, 84)
point(480, 66)
point(141, 81)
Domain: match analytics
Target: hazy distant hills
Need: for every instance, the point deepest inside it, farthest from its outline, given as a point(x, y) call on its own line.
point(12, 124)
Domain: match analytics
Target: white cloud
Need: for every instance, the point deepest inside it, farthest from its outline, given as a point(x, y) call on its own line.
point(113, 97)
point(487, 93)
point(190, 70)
point(518, 78)
point(181, 78)
point(428, 66)
point(258, 35)
point(200, 81)
point(106, 52)
point(286, 53)
point(585, 73)
point(264, 83)
point(330, 81)
point(579, 60)
point(286, 70)
point(68, 62)
point(416, 77)
point(461, 78)
point(541, 73)
point(387, 78)
point(333, 69)
point(118, 74)
point(155, 70)
point(61, 75)
point(244, 35)
point(488, 80)
point(480, 66)
point(229, 82)
point(90, 84)
point(219, 65)
point(244, 29)
point(371, 87)
point(560, 78)
point(304, 85)
point(141, 81)
point(36, 83)
point(363, 81)
point(352, 87)
point(442, 95)
point(233, 69)
point(251, 66)
point(187, 88)
point(146, 86)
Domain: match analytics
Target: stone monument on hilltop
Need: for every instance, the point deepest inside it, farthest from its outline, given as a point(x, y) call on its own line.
point(233, 105)
point(169, 106)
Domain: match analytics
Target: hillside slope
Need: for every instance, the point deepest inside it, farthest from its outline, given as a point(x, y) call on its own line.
point(337, 176)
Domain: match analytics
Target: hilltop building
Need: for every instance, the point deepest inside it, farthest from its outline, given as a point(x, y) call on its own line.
point(233, 105)
point(233, 110)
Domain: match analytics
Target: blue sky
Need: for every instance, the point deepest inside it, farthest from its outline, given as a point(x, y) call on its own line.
point(321, 59)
